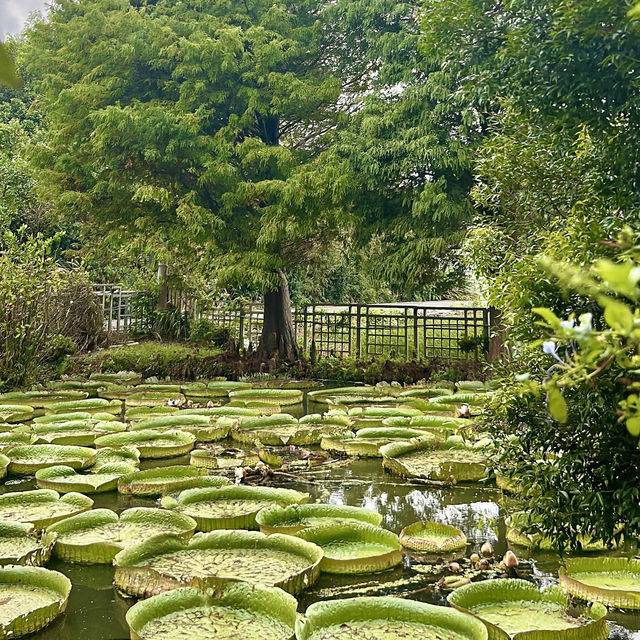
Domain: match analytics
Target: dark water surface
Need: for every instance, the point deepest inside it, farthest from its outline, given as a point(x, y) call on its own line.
point(97, 612)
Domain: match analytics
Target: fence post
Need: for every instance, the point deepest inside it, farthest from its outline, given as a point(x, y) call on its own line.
point(241, 328)
point(163, 291)
point(495, 336)
point(415, 333)
point(358, 330)
point(305, 329)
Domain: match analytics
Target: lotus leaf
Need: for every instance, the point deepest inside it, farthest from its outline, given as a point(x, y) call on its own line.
point(612, 581)
point(230, 612)
point(279, 397)
point(20, 544)
point(65, 479)
point(16, 413)
point(155, 482)
point(432, 537)
point(28, 459)
point(519, 609)
point(95, 537)
point(232, 507)
point(90, 405)
point(204, 428)
point(32, 597)
point(354, 547)
point(166, 562)
point(386, 618)
point(294, 518)
point(41, 507)
point(417, 459)
point(150, 443)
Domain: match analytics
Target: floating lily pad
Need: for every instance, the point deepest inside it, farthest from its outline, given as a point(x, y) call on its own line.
point(40, 399)
point(263, 408)
point(95, 537)
point(81, 433)
point(204, 428)
point(328, 396)
point(471, 399)
point(611, 581)
point(232, 507)
point(64, 479)
point(28, 459)
point(287, 432)
point(519, 609)
point(136, 414)
point(150, 443)
point(418, 459)
point(354, 547)
point(214, 390)
point(12, 413)
point(12, 439)
point(32, 597)
point(281, 397)
point(367, 443)
point(227, 411)
point(432, 537)
point(386, 618)
point(21, 544)
point(41, 507)
point(161, 480)
point(135, 397)
point(73, 416)
point(231, 611)
point(294, 518)
point(210, 460)
point(90, 405)
point(373, 416)
point(122, 377)
point(166, 562)
point(4, 465)
point(475, 386)
point(110, 455)
point(424, 392)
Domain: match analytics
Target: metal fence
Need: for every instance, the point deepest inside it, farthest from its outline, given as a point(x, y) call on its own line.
point(409, 331)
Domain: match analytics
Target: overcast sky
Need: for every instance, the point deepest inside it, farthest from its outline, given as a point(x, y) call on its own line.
point(13, 14)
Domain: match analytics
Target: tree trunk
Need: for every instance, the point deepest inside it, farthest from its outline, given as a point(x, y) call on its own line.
point(278, 335)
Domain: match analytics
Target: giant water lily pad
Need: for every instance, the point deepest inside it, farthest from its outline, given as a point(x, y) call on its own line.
point(611, 581)
point(136, 414)
point(229, 612)
point(471, 399)
point(294, 518)
point(424, 392)
point(32, 597)
point(150, 443)
point(290, 433)
point(329, 396)
point(136, 397)
point(73, 416)
point(41, 507)
point(226, 411)
point(64, 479)
point(354, 547)
point(121, 377)
point(386, 618)
point(432, 537)
point(4, 465)
point(81, 433)
point(16, 413)
point(29, 458)
point(21, 544)
point(231, 507)
point(208, 459)
point(280, 397)
point(90, 405)
point(204, 428)
point(161, 480)
point(518, 609)
point(440, 425)
point(214, 390)
point(373, 416)
point(418, 459)
point(166, 562)
point(11, 439)
point(368, 442)
point(110, 455)
point(41, 399)
point(95, 537)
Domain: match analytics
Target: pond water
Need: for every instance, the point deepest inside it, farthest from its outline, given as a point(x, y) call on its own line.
point(97, 611)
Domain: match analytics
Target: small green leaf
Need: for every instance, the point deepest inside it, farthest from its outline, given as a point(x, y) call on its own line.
point(633, 426)
point(557, 405)
point(618, 316)
point(548, 315)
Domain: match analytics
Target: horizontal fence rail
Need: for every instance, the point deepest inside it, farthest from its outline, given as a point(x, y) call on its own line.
point(407, 331)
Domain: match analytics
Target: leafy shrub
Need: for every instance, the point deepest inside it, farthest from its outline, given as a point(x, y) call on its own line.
point(46, 311)
point(204, 331)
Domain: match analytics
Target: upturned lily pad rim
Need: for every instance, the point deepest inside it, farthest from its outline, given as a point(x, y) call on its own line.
point(178, 477)
point(321, 615)
point(277, 519)
point(33, 557)
point(502, 590)
point(79, 500)
point(280, 396)
point(411, 539)
point(59, 478)
point(22, 457)
point(270, 602)
point(620, 598)
point(238, 492)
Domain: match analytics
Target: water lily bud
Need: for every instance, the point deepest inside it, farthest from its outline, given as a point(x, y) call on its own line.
point(487, 550)
point(485, 564)
point(510, 560)
point(455, 567)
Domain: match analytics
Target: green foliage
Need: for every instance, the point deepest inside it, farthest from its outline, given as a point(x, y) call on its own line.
point(46, 311)
point(568, 429)
point(8, 71)
point(204, 331)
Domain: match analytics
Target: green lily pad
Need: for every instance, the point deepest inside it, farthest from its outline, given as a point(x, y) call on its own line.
point(40, 399)
point(231, 611)
point(386, 618)
point(90, 405)
point(111, 455)
point(612, 581)
point(471, 399)
point(16, 413)
point(4, 465)
point(231, 507)
point(32, 597)
point(418, 459)
point(518, 609)
point(281, 397)
point(166, 562)
point(294, 518)
point(136, 414)
point(209, 460)
point(286, 433)
point(122, 377)
point(226, 411)
point(161, 480)
point(214, 390)
point(28, 459)
point(21, 544)
point(204, 428)
point(41, 507)
point(354, 547)
point(81, 433)
point(150, 443)
point(73, 416)
point(425, 392)
point(64, 479)
point(134, 397)
point(95, 537)
point(11, 439)
point(432, 537)
point(328, 396)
